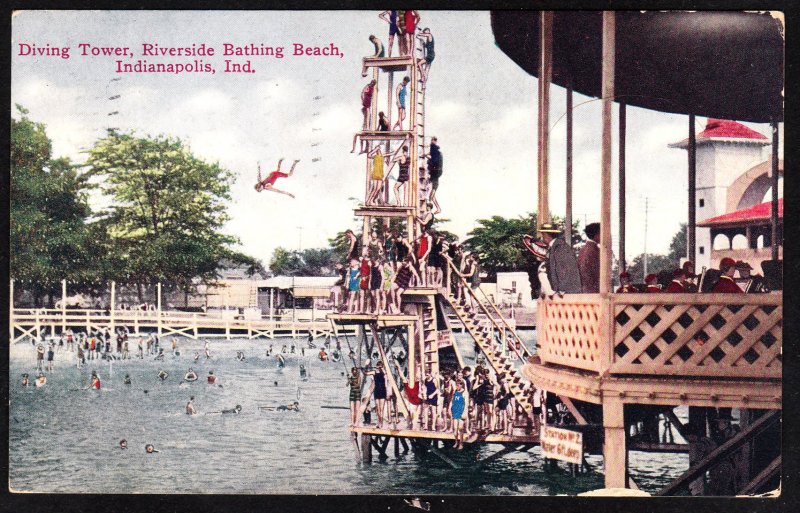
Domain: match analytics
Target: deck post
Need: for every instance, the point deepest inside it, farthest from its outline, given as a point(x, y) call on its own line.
point(568, 214)
point(692, 221)
point(545, 72)
point(621, 142)
point(271, 293)
point(411, 362)
point(366, 448)
point(113, 302)
point(615, 454)
point(774, 202)
point(605, 180)
point(11, 311)
point(158, 309)
point(194, 322)
point(63, 306)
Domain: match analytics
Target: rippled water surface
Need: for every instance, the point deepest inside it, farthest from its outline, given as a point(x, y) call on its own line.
point(65, 440)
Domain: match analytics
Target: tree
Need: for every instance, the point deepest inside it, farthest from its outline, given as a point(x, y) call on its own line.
point(498, 242)
point(50, 240)
point(655, 264)
point(309, 262)
point(678, 246)
point(168, 208)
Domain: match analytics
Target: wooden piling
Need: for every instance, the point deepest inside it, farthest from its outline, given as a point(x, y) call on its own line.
point(366, 448)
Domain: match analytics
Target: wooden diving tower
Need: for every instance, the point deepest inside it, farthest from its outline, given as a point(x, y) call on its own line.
point(423, 328)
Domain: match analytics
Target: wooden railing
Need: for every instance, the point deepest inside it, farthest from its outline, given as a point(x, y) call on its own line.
point(707, 335)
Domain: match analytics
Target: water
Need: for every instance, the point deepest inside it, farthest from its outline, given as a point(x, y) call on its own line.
point(64, 440)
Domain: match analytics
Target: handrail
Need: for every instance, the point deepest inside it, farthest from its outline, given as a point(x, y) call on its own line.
point(507, 327)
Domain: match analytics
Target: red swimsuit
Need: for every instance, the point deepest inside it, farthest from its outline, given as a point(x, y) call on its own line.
point(273, 177)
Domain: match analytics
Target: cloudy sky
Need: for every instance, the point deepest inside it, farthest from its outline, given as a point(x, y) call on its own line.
point(480, 104)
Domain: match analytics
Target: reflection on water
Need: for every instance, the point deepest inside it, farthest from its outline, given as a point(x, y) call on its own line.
point(65, 440)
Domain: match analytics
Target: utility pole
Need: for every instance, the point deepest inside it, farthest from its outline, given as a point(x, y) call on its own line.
point(645, 235)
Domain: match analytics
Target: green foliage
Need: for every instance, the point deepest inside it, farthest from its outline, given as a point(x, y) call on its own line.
point(168, 207)
point(498, 242)
point(655, 264)
point(678, 248)
point(49, 236)
point(309, 262)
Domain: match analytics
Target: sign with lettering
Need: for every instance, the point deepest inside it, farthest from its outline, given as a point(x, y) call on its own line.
point(561, 444)
point(444, 339)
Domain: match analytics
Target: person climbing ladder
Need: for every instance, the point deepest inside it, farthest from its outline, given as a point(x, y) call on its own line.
point(268, 183)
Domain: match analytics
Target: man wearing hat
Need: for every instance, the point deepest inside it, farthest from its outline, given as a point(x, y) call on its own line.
point(626, 287)
point(725, 284)
point(562, 266)
point(589, 260)
point(651, 281)
point(752, 282)
point(678, 283)
point(539, 251)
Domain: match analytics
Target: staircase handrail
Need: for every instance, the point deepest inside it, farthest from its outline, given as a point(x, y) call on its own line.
point(517, 339)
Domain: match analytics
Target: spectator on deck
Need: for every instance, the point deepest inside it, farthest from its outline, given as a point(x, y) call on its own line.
point(589, 260)
point(651, 283)
point(725, 284)
point(678, 283)
point(625, 285)
point(563, 272)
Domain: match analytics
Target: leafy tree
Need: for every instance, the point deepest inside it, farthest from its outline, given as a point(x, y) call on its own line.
point(49, 236)
point(309, 262)
point(498, 242)
point(168, 208)
point(655, 264)
point(678, 248)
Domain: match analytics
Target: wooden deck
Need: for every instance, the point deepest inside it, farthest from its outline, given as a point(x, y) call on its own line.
point(33, 322)
point(397, 63)
point(383, 320)
point(497, 438)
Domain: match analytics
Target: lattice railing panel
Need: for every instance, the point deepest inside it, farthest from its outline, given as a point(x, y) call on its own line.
point(715, 336)
point(568, 332)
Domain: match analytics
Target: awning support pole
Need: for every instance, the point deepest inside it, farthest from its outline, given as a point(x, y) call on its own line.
point(545, 75)
point(691, 226)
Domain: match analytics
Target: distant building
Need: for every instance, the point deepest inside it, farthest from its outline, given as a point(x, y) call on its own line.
point(732, 175)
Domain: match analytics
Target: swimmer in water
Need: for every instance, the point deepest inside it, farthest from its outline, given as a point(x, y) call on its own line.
point(162, 375)
point(149, 449)
point(295, 406)
point(123, 444)
point(281, 361)
point(207, 350)
point(95, 381)
point(196, 355)
point(127, 380)
point(211, 378)
point(283, 349)
point(190, 407)
point(41, 380)
point(191, 375)
point(160, 355)
point(240, 356)
point(25, 381)
point(237, 409)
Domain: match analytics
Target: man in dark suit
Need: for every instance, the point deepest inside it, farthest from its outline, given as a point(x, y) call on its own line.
point(589, 260)
point(562, 269)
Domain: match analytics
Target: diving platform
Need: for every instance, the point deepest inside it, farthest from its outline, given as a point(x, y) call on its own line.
point(382, 135)
point(475, 437)
point(383, 320)
point(389, 64)
point(401, 211)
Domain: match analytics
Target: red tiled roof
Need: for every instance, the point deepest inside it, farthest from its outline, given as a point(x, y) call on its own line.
point(725, 129)
point(755, 213)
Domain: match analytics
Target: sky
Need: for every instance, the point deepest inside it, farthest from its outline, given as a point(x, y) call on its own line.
point(479, 103)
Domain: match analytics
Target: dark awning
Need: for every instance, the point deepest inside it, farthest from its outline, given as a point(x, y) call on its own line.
point(726, 65)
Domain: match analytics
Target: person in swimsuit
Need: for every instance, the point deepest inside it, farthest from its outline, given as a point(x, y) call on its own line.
point(388, 275)
point(162, 375)
point(191, 375)
point(41, 380)
point(95, 381)
point(448, 387)
point(353, 284)
point(354, 382)
point(379, 52)
point(366, 104)
point(504, 396)
point(379, 392)
point(430, 407)
point(457, 411)
point(376, 284)
point(403, 162)
point(364, 274)
point(376, 159)
point(212, 379)
point(402, 280)
point(423, 252)
point(383, 122)
point(413, 399)
point(190, 407)
point(268, 183)
point(401, 92)
point(127, 380)
point(40, 357)
point(411, 21)
point(402, 249)
point(390, 17)
point(123, 444)
point(236, 410)
point(424, 64)
point(150, 449)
